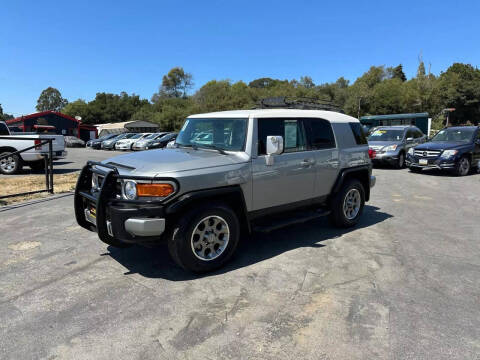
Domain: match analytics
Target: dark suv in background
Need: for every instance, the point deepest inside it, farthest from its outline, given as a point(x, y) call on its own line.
point(455, 148)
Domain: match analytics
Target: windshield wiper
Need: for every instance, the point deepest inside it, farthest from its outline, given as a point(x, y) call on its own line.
point(214, 147)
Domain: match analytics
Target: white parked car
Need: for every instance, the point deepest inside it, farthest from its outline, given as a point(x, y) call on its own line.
point(142, 143)
point(126, 144)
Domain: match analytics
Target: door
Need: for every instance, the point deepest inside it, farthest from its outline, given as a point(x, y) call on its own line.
point(322, 143)
point(291, 178)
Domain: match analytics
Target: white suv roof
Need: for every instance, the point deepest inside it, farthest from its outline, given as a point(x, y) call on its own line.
point(331, 116)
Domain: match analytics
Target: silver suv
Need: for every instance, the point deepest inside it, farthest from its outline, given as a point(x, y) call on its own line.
point(251, 170)
point(390, 144)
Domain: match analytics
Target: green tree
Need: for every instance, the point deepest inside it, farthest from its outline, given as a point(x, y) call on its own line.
point(459, 88)
point(51, 99)
point(397, 73)
point(4, 116)
point(175, 84)
point(78, 108)
point(306, 82)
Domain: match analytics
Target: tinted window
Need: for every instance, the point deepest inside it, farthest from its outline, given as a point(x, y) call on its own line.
point(4, 130)
point(410, 134)
point(455, 135)
point(291, 130)
point(358, 133)
point(320, 134)
point(417, 133)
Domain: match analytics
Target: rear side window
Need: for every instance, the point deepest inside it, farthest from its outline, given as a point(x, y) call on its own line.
point(358, 134)
point(320, 134)
point(3, 130)
point(290, 129)
point(418, 133)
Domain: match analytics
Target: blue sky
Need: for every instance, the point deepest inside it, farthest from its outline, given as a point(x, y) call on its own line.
point(85, 47)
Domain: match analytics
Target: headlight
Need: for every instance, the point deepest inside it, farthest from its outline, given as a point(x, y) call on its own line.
point(410, 151)
point(449, 153)
point(390, 148)
point(130, 190)
point(133, 190)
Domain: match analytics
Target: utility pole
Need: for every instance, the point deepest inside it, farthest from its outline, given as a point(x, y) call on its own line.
point(359, 103)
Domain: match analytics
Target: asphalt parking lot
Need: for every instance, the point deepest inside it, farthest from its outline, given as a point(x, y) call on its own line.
point(403, 284)
point(75, 160)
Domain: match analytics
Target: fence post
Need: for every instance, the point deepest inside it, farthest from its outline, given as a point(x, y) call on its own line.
point(50, 153)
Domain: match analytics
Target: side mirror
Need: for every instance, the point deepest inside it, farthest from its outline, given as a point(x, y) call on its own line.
point(274, 147)
point(171, 144)
point(410, 139)
point(477, 141)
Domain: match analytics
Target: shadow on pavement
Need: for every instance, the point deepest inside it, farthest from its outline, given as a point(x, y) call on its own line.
point(156, 263)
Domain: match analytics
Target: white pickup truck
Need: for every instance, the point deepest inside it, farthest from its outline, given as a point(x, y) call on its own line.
point(34, 157)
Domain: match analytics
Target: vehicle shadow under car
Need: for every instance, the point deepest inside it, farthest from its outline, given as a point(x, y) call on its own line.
point(155, 262)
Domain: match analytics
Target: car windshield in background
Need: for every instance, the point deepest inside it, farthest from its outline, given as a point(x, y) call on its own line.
point(136, 136)
point(386, 135)
point(225, 134)
point(455, 135)
point(166, 137)
point(151, 136)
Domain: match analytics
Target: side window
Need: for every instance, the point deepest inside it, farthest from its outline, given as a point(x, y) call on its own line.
point(291, 130)
point(4, 130)
point(418, 133)
point(320, 134)
point(358, 133)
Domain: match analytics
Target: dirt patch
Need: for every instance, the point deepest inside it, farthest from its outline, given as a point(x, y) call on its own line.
point(62, 183)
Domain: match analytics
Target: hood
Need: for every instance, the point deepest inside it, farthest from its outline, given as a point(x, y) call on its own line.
point(440, 145)
point(162, 161)
point(380, 144)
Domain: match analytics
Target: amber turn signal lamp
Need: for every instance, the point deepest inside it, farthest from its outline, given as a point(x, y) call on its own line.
point(160, 190)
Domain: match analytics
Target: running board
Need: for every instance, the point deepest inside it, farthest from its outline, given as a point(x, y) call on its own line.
point(276, 224)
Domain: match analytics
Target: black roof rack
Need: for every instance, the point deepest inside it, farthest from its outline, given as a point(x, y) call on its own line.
point(285, 102)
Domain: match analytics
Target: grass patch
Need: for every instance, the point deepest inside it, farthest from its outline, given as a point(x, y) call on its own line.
point(12, 185)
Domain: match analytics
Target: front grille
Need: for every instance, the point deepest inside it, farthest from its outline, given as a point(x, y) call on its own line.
point(427, 153)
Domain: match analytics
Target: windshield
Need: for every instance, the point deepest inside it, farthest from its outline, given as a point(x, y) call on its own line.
point(166, 137)
point(225, 134)
point(456, 135)
point(151, 136)
point(386, 135)
point(129, 135)
point(136, 136)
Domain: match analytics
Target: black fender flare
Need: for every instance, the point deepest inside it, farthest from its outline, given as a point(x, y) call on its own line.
point(179, 204)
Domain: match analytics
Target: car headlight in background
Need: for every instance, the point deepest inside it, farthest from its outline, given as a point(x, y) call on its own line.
point(130, 190)
point(448, 153)
point(410, 151)
point(133, 190)
point(389, 148)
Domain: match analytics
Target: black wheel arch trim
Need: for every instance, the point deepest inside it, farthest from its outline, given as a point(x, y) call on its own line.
point(345, 172)
point(178, 204)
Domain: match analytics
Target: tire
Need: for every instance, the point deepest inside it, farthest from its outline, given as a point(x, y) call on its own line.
point(401, 160)
point(11, 164)
point(463, 166)
point(38, 165)
point(194, 250)
point(344, 215)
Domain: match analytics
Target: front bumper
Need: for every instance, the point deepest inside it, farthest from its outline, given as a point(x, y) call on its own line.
point(389, 157)
point(123, 146)
point(60, 155)
point(138, 148)
point(112, 217)
point(439, 163)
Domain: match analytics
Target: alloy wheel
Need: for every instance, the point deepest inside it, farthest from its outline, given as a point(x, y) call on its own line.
point(352, 204)
point(464, 166)
point(210, 238)
point(7, 164)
